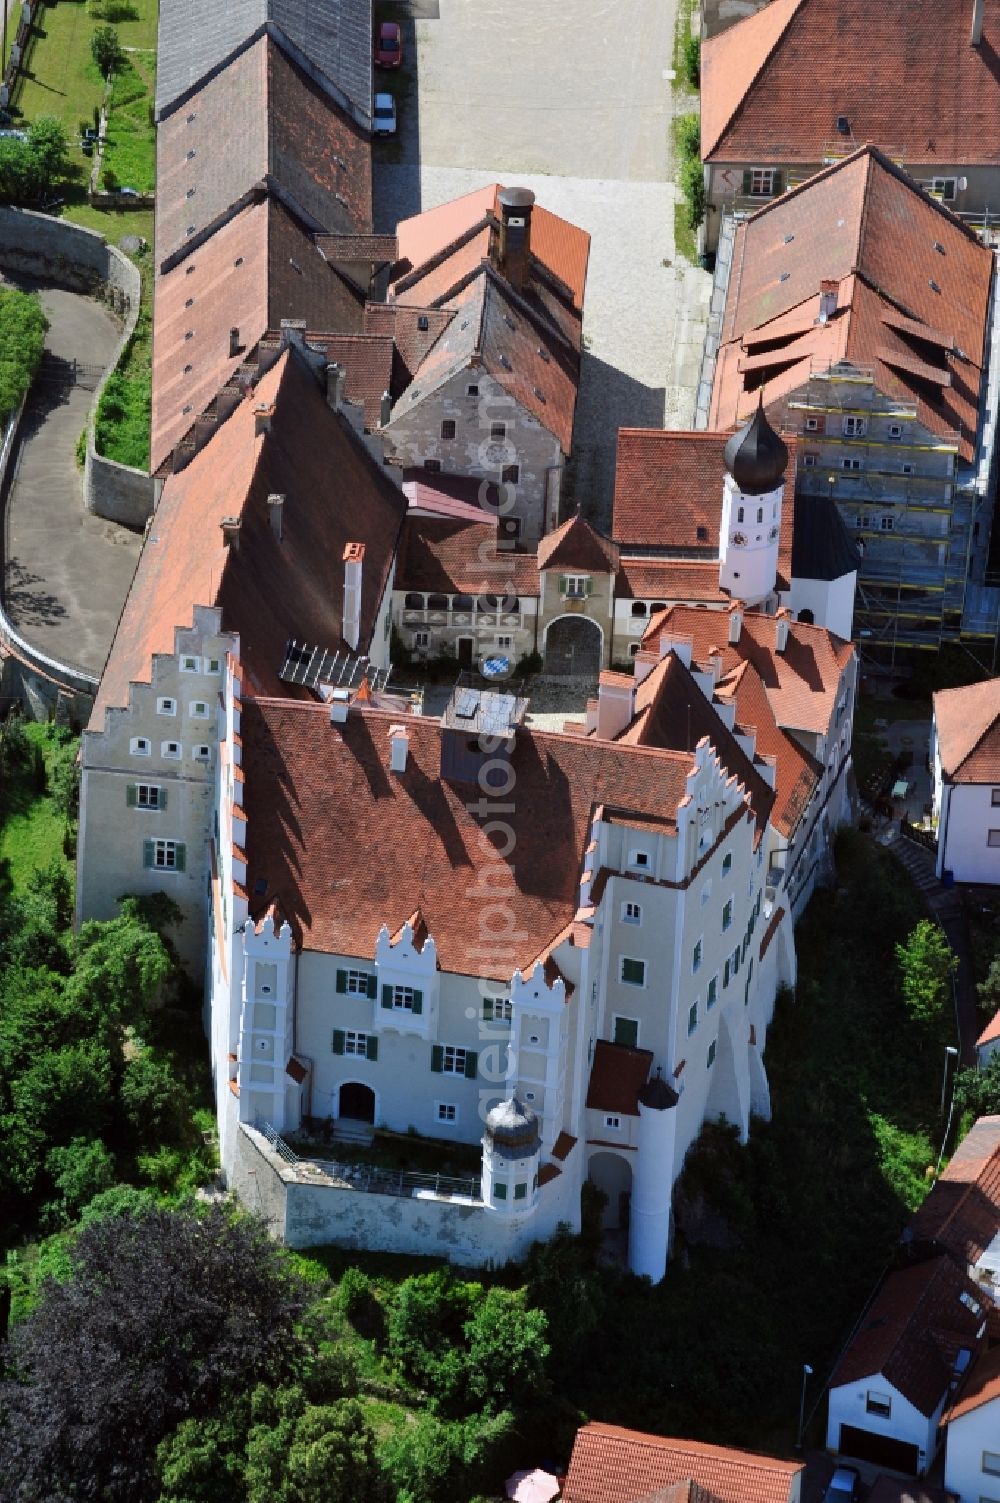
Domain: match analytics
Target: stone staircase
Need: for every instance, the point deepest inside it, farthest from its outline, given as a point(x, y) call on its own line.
point(944, 902)
point(346, 1130)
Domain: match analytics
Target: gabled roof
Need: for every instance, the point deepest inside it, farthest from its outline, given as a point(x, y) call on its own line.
point(260, 120)
point(961, 1215)
point(801, 682)
point(668, 488)
point(913, 1332)
point(797, 774)
point(576, 545)
point(967, 723)
point(269, 589)
point(669, 579)
point(331, 37)
point(320, 799)
point(917, 320)
point(617, 1075)
point(261, 266)
point(774, 85)
point(367, 363)
point(981, 1387)
point(440, 553)
point(612, 1465)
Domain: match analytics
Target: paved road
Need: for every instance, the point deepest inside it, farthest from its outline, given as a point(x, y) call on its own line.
point(67, 572)
point(575, 104)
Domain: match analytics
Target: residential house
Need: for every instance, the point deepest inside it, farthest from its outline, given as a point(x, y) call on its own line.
point(878, 362)
point(972, 1435)
point(494, 392)
point(965, 757)
point(900, 1371)
point(282, 528)
point(610, 1464)
point(961, 1215)
point(801, 83)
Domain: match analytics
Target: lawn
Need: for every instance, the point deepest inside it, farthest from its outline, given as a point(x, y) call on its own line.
point(123, 417)
point(130, 147)
point(31, 827)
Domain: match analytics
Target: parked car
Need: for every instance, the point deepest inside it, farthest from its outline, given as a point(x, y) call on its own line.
point(843, 1486)
point(384, 119)
point(388, 45)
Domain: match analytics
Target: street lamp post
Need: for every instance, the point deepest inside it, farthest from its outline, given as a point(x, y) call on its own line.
point(950, 1053)
point(806, 1375)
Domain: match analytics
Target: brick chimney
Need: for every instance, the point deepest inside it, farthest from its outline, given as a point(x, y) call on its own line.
point(234, 342)
point(335, 375)
point(615, 703)
point(231, 533)
point(828, 292)
point(514, 250)
point(276, 514)
point(976, 34)
point(262, 419)
point(354, 557)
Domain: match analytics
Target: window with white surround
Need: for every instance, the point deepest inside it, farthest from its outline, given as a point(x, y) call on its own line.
point(633, 972)
point(638, 859)
point(995, 797)
point(213, 665)
point(497, 1009)
point(886, 524)
point(761, 182)
point(576, 586)
point(403, 998)
point(198, 709)
point(696, 956)
point(626, 1031)
point(711, 1054)
point(421, 639)
point(164, 855)
point(613, 1122)
point(446, 1112)
point(190, 665)
point(878, 1403)
point(713, 993)
point(993, 839)
point(631, 913)
point(851, 465)
point(139, 746)
point(809, 461)
point(991, 1463)
point(727, 865)
point(171, 750)
point(727, 915)
point(166, 706)
point(692, 1017)
point(945, 187)
point(906, 469)
point(505, 643)
point(453, 1060)
point(147, 796)
point(812, 425)
point(855, 427)
point(356, 1043)
point(895, 430)
point(355, 983)
point(202, 753)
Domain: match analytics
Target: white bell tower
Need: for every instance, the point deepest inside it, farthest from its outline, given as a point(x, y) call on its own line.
point(753, 492)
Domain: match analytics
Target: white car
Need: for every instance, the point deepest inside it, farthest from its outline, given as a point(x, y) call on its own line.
point(384, 119)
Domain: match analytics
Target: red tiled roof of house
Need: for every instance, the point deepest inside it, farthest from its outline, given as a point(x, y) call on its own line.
point(610, 1464)
point(981, 1387)
point(801, 683)
point(348, 249)
point(367, 362)
point(962, 1212)
point(774, 85)
point(321, 800)
point(454, 554)
point(990, 1032)
point(967, 724)
point(413, 342)
point(617, 1075)
point(919, 320)
point(669, 580)
point(260, 118)
point(257, 269)
point(668, 488)
point(577, 545)
point(913, 1331)
point(465, 496)
point(269, 590)
point(797, 774)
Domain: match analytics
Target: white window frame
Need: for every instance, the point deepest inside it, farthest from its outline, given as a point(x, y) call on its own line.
point(355, 1043)
point(697, 954)
point(506, 1007)
point(147, 788)
point(895, 430)
point(812, 425)
point(623, 961)
point(693, 1017)
point(989, 1457)
point(907, 469)
point(624, 1017)
point(854, 425)
point(402, 998)
point(166, 705)
point(879, 1404)
point(172, 751)
point(165, 849)
point(213, 665)
point(850, 464)
point(189, 663)
point(356, 984)
point(639, 859)
point(762, 182)
point(576, 586)
point(995, 798)
point(442, 1109)
point(505, 642)
point(201, 753)
point(631, 913)
point(887, 524)
point(712, 1050)
point(140, 746)
point(613, 1121)
point(421, 639)
point(809, 461)
point(453, 1059)
point(727, 915)
point(946, 186)
point(712, 993)
point(993, 839)
point(198, 709)
point(727, 863)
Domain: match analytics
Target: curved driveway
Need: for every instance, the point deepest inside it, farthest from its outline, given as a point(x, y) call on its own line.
point(66, 572)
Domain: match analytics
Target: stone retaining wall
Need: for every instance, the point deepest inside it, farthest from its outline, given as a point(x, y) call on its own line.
point(83, 261)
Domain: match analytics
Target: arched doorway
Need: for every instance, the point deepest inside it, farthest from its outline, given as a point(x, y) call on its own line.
point(573, 647)
point(356, 1102)
point(612, 1174)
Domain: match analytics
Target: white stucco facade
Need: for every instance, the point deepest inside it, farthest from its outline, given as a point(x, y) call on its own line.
point(968, 816)
point(972, 1454)
point(862, 1405)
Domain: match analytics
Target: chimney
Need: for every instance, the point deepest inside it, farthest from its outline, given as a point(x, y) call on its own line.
point(399, 746)
point(354, 557)
point(231, 533)
point(293, 331)
point(385, 409)
point(339, 701)
point(262, 419)
point(976, 34)
point(615, 704)
point(781, 629)
point(645, 662)
point(276, 512)
point(234, 342)
point(334, 386)
point(828, 292)
point(515, 235)
point(735, 622)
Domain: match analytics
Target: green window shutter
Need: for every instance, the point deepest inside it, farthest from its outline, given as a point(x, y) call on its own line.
point(130, 793)
point(341, 981)
point(471, 1060)
point(147, 853)
point(562, 586)
point(500, 1192)
point(725, 974)
point(487, 1009)
point(387, 996)
point(372, 988)
point(588, 585)
point(779, 182)
point(520, 1192)
point(338, 1041)
point(747, 181)
point(371, 1047)
point(418, 1003)
point(180, 856)
point(437, 1058)
point(161, 799)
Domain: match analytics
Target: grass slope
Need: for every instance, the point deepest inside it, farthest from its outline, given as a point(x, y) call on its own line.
point(31, 829)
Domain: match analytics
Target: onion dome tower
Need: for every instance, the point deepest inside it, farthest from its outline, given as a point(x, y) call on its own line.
point(756, 458)
point(511, 1147)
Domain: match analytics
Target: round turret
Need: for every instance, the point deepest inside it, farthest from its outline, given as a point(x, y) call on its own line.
point(755, 456)
point(512, 1129)
point(657, 1095)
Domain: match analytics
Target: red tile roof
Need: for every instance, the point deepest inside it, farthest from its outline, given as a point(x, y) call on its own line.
point(961, 1215)
point(367, 362)
point(797, 774)
point(321, 798)
point(923, 93)
point(668, 488)
point(617, 1075)
point(905, 316)
point(913, 1331)
point(269, 590)
point(454, 554)
point(982, 1387)
point(612, 1465)
point(669, 579)
point(967, 723)
point(576, 545)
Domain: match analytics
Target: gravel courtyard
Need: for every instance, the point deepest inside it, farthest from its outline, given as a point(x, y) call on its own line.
point(576, 105)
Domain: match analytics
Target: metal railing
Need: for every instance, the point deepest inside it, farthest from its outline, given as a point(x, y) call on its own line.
point(370, 1178)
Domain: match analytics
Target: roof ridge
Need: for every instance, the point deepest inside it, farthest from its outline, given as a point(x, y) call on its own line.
point(748, 22)
point(418, 273)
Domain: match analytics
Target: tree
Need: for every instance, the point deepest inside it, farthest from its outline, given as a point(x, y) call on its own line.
point(164, 1313)
point(20, 173)
point(155, 1104)
point(507, 1351)
point(22, 339)
point(989, 990)
point(978, 1091)
point(81, 1170)
point(315, 1453)
point(106, 50)
point(926, 965)
point(47, 140)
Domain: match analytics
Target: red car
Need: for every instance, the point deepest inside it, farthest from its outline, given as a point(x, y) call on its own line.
point(388, 45)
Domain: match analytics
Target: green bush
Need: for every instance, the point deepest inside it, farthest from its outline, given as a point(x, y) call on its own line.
point(691, 176)
point(689, 135)
point(926, 965)
point(692, 60)
point(23, 326)
point(106, 50)
point(355, 1292)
